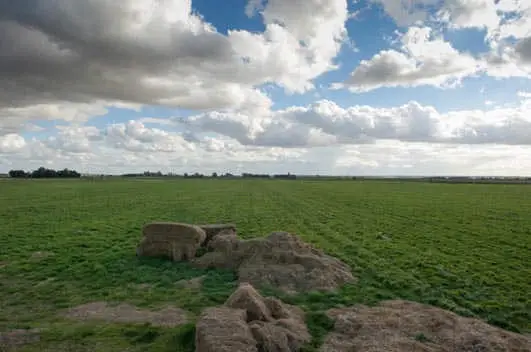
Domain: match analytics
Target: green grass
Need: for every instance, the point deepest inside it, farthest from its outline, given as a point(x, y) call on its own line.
point(462, 247)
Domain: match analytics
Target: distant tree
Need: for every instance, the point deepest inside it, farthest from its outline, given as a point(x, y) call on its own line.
point(43, 172)
point(214, 174)
point(18, 174)
point(186, 174)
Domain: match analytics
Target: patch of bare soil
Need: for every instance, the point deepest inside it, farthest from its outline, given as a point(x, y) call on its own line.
point(252, 323)
point(125, 313)
point(11, 340)
point(395, 326)
point(280, 260)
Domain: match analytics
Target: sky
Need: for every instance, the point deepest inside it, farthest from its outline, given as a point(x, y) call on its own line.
point(357, 87)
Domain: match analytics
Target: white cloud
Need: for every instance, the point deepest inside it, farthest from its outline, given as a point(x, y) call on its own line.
point(402, 140)
point(407, 12)
point(134, 136)
point(423, 59)
point(470, 14)
point(74, 139)
point(504, 21)
point(518, 25)
point(523, 50)
point(74, 61)
point(324, 123)
point(11, 143)
point(161, 53)
point(16, 119)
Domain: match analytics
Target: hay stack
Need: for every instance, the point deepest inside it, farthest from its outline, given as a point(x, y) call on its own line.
point(280, 260)
point(398, 325)
point(250, 322)
point(176, 241)
point(213, 230)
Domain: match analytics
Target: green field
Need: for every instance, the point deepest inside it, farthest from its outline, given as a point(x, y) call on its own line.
point(462, 247)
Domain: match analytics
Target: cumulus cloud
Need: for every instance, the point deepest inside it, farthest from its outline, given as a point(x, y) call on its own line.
point(73, 139)
point(324, 123)
point(15, 119)
point(423, 59)
point(11, 143)
point(258, 130)
point(470, 14)
point(318, 138)
point(73, 61)
point(504, 16)
point(523, 50)
point(160, 52)
point(134, 136)
point(504, 22)
point(407, 12)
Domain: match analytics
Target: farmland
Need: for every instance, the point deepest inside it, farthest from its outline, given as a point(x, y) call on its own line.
point(462, 247)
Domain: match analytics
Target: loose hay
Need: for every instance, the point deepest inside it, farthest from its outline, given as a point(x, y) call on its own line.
point(212, 230)
point(125, 313)
point(11, 340)
point(193, 284)
point(250, 322)
point(396, 326)
point(280, 260)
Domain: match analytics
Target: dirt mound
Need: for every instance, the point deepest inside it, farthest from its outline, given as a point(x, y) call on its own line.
point(11, 340)
point(173, 240)
point(280, 260)
point(408, 326)
point(250, 322)
point(125, 313)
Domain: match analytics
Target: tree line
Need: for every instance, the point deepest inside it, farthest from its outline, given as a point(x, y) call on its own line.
point(213, 175)
point(43, 172)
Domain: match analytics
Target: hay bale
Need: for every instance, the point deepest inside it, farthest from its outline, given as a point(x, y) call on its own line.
point(223, 330)
point(280, 260)
point(213, 230)
point(408, 326)
point(176, 241)
point(248, 319)
point(278, 338)
point(246, 297)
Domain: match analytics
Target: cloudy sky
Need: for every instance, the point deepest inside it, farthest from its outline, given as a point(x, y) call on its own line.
point(357, 87)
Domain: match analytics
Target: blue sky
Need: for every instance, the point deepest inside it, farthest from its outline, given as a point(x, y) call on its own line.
point(380, 87)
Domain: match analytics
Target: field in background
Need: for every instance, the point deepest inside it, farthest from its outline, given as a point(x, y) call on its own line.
point(462, 247)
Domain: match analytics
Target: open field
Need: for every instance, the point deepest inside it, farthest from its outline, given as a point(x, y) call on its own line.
point(462, 247)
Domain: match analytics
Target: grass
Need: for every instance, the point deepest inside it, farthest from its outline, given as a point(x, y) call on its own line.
point(462, 247)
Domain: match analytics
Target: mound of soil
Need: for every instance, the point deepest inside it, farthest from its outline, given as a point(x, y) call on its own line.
point(395, 326)
point(250, 322)
point(125, 313)
point(176, 241)
point(280, 260)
